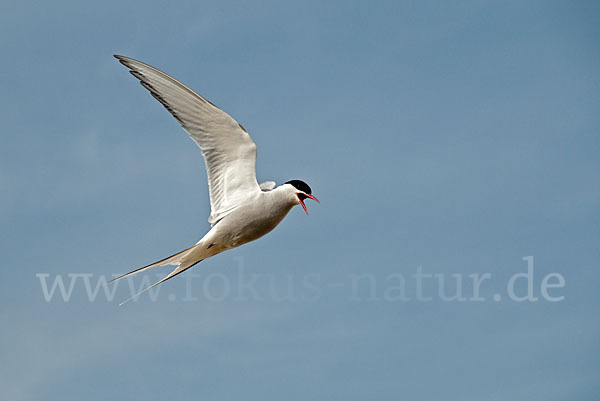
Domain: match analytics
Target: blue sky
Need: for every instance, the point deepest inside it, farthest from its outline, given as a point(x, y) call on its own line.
point(460, 138)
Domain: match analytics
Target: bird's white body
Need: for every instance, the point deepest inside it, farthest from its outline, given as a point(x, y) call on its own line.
point(260, 214)
point(241, 210)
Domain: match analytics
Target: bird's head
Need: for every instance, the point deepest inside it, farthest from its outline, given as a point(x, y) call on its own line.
point(300, 191)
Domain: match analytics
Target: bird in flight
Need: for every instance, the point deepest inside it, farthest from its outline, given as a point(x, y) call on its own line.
point(241, 210)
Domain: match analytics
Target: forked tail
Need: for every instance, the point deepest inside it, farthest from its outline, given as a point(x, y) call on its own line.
point(184, 260)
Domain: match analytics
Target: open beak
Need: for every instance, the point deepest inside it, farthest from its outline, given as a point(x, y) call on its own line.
point(302, 196)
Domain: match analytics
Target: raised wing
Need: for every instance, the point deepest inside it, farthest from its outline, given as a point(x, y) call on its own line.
point(228, 150)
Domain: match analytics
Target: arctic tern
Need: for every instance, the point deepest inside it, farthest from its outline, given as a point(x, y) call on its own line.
point(241, 210)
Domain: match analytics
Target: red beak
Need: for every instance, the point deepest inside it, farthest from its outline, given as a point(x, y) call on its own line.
point(302, 196)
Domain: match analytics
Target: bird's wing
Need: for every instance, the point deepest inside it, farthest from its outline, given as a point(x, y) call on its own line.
point(267, 186)
point(228, 150)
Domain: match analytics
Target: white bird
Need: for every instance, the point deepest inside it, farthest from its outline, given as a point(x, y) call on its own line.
point(241, 210)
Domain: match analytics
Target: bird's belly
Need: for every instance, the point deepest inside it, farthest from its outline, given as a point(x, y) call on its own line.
point(245, 226)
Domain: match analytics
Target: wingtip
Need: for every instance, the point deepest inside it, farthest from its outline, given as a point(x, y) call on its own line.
point(122, 59)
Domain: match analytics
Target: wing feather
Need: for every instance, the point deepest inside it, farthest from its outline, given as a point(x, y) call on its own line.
point(228, 149)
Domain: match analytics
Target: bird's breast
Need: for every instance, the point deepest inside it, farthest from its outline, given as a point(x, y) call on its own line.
point(251, 221)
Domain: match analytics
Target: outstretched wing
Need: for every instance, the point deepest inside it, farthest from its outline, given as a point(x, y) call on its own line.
point(228, 150)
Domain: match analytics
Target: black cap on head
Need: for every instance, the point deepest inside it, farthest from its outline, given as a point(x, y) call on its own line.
point(300, 185)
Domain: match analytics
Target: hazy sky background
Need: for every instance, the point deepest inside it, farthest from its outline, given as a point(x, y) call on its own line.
point(460, 137)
